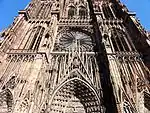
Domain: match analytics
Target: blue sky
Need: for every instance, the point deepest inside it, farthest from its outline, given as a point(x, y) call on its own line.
point(9, 9)
point(142, 9)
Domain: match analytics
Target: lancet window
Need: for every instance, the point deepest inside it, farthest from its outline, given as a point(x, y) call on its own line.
point(43, 11)
point(35, 38)
point(38, 13)
point(120, 41)
point(71, 11)
point(82, 12)
point(45, 43)
point(115, 11)
point(107, 12)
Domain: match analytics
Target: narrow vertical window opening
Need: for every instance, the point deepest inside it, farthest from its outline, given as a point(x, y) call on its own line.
point(82, 12)
point(71, 12)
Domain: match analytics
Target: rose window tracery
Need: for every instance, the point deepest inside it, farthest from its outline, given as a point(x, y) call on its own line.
point(74, 41)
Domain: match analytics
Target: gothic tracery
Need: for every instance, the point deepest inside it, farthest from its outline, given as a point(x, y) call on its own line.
point(50, 61)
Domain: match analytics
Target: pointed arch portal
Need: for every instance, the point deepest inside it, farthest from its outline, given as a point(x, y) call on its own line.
point(75, 96)
point(6, 101)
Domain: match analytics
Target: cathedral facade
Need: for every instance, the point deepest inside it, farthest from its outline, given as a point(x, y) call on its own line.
point(75, 56)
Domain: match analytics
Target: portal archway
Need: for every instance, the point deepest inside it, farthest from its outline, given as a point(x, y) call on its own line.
point(6, 101)
point(75, 96)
